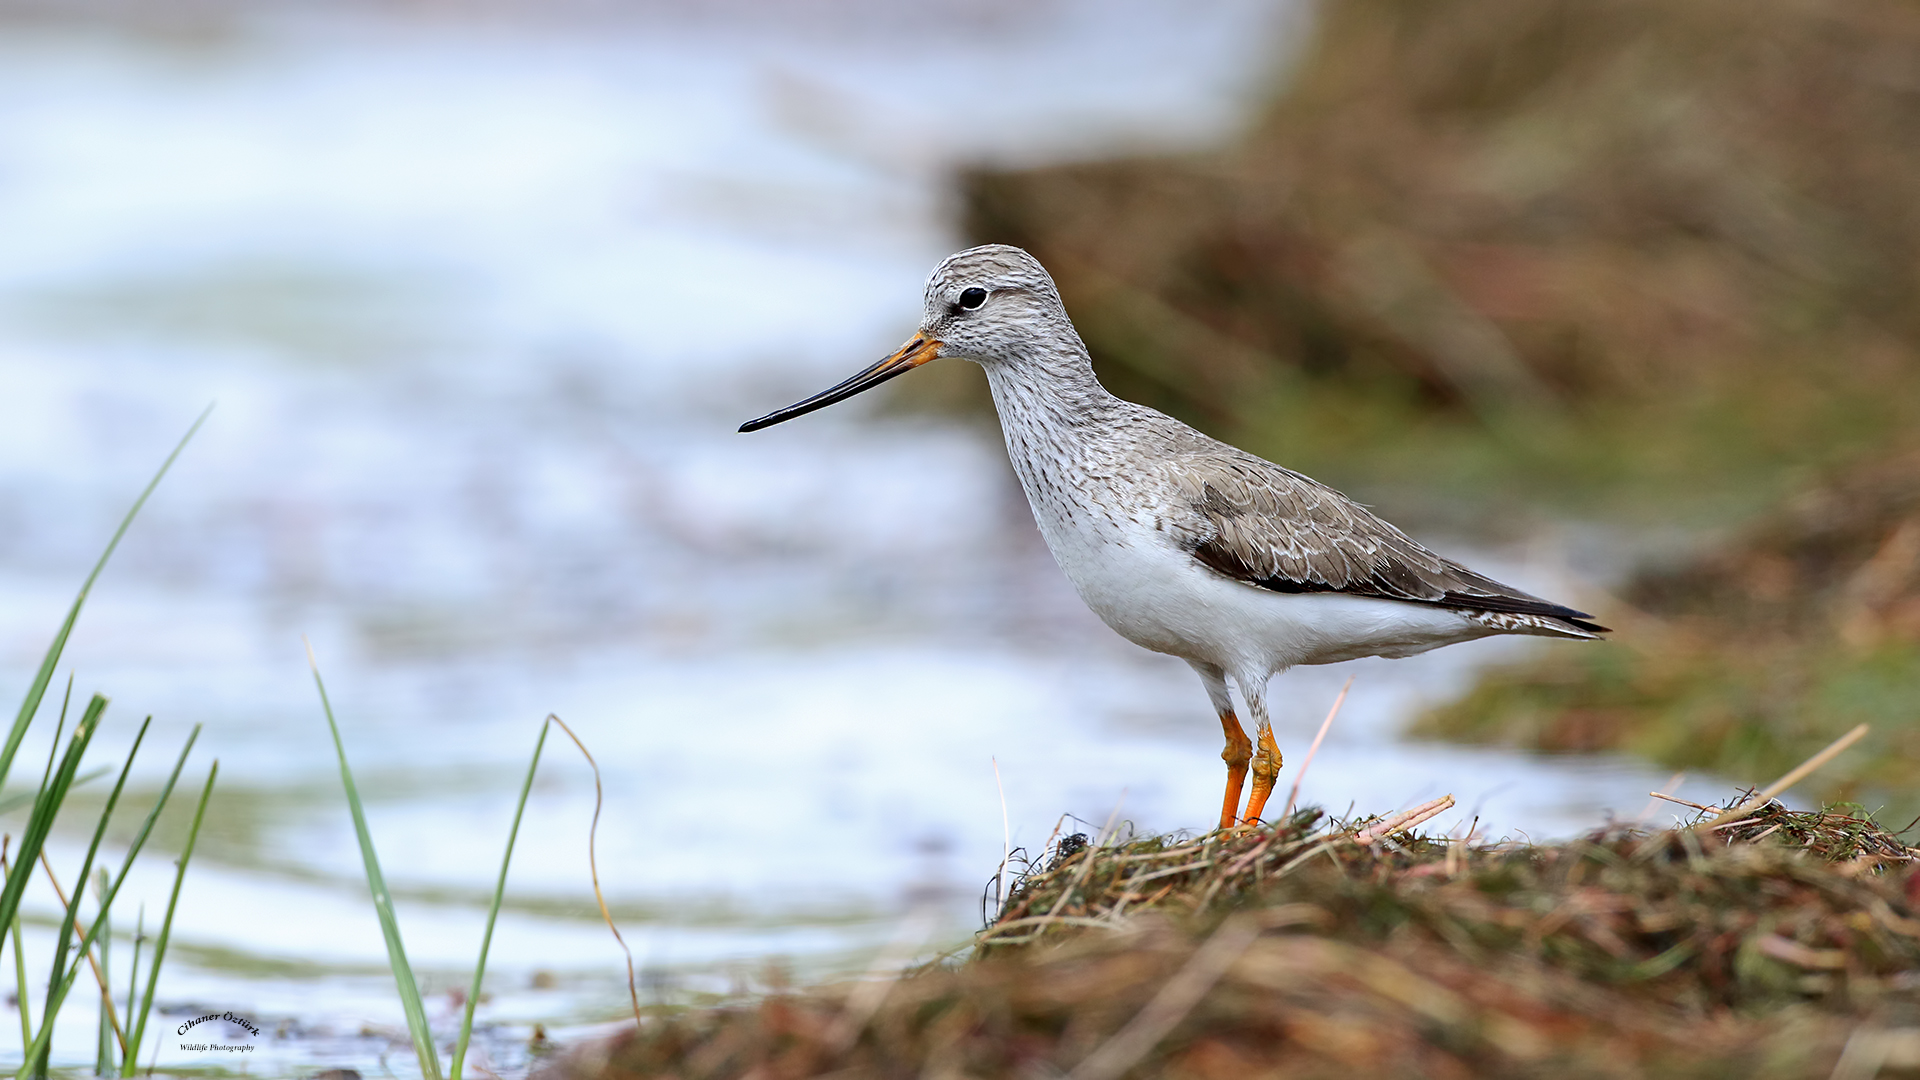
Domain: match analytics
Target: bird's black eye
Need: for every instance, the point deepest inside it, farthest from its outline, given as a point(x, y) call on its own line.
point(972, 298)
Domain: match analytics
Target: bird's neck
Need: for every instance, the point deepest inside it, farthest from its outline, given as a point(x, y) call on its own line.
point(1052, 410)
point(1052, 387)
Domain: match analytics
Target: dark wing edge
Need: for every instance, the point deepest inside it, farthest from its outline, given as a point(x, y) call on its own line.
point(1291, 534)
point(1389, 581)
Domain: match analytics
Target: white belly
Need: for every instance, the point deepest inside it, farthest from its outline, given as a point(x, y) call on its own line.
point(1157, 596)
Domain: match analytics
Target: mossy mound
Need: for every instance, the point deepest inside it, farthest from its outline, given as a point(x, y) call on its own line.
point(1768, 948)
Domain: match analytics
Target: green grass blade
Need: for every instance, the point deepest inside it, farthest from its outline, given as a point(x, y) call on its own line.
point(493, 913)
point(106, 1059)
point(60, 979)
point(10, 803)
point(56, 998)
point(80, 883)
point(20, 982)
point(53, 748)
point(57, 994)
point(133, 978)
point(45, 807)
point(38, 688)
point(133, 851)
point(166, 925)
point(153, 815)
point(39, 823)
point(46, 778)
point(382, 901)
point(139, 842)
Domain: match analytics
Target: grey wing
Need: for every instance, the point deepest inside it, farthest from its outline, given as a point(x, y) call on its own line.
point(1275, 529)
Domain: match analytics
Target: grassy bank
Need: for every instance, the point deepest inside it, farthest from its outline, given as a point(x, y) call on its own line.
point(1771, 947)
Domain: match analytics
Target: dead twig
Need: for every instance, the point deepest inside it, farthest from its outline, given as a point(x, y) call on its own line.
point(1673, 782)
point(1404, 820)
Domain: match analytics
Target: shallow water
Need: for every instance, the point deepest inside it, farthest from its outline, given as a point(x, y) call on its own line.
point(481, 306)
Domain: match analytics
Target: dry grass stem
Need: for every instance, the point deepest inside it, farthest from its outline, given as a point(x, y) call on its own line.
point(1405, 819)
point(1006, 831)
point(1673, 784)
point(1293, 796)
point(106, 995)
point(1684, 802)
point(593, 863)
point(1798, 773)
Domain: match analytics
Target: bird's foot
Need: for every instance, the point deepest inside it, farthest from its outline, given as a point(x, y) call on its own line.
point(1266, 770)
point(1238, 752)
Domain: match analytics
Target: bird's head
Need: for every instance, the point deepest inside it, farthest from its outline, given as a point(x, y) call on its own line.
point(988, 304)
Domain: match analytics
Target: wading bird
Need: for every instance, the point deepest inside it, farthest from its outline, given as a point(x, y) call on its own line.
point(1181, 543)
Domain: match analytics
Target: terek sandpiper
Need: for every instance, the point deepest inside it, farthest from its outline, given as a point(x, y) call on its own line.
point(1181, 543)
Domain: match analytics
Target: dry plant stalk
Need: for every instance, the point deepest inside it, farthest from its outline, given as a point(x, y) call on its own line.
point(1797, 774)
point(1293, 796)
point(1405, 819)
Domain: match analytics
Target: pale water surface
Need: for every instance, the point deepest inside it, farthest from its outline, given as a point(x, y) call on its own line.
point(481, 306)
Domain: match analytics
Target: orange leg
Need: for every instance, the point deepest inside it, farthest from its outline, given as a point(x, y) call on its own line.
point(1239, 751)
point(1266, 769)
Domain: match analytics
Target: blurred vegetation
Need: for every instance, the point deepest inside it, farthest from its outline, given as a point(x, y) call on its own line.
point(1652, 264)
point(1747, 658)
point(1605, 255)
point(1780, 945)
